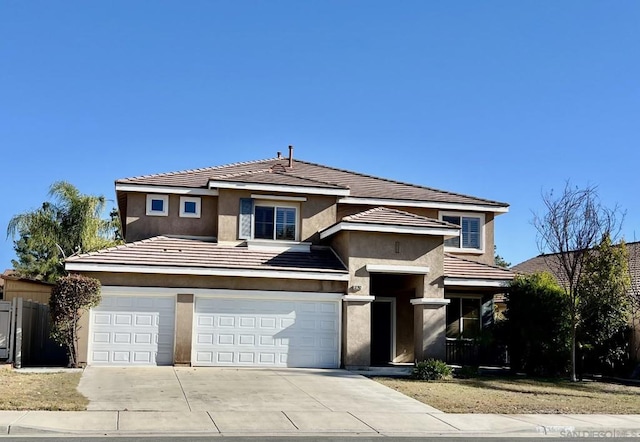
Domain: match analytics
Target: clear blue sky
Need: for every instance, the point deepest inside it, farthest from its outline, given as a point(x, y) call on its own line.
point(497, 99)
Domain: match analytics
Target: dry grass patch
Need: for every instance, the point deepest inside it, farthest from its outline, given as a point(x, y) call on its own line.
point(40, 391)
point(515, 395)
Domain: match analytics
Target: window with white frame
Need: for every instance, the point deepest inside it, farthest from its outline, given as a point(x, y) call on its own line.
point(190, 207)
point(471, 231)
point(272, 220)
point(157, 205)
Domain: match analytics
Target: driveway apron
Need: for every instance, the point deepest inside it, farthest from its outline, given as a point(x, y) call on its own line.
point(223, 390)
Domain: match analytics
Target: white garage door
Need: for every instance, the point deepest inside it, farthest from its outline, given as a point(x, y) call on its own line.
point(132, 330)
point(263, 332)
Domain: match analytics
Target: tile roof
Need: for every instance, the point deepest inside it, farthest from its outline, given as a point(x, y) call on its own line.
point(268, 176)
point(183, 252)
point(387, 216)
point(456, 267)
point(547, 263)
point(360, 185)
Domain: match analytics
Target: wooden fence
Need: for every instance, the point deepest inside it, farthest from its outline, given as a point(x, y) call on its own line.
point(28, 338)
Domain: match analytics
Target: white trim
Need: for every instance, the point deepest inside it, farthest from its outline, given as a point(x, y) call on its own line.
point(165, 189)
point(358, 298)
point(257, 196)
point(430, 301)
point(165, 204)
point(173, 270)
point(276, 205)
point(272, 245)
point(405, 270)
point(425, 204)
point(470, 282)
point(391, 300)
point(277, 188)
point(461, 215)
point(190, 199)
point(384, 228)
point(220, 293)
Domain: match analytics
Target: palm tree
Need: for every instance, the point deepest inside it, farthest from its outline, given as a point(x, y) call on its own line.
point(69, 225)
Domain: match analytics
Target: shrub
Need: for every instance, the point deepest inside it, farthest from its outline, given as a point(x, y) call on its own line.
point(69, 297)
point(431, 370)
point(538, 326)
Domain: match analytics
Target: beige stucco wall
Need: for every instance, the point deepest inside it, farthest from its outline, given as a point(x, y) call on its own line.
point(356, 334)
point(216, 282)
point(380, 248)
point(316, 213)
point(184, 327)
point(28, 290)
point(141, 226)
point(429, 332)
point(228, 210)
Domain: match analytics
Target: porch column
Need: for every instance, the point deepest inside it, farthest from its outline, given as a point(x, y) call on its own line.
point(183, 327)
point(429, 322)
point(356, 331)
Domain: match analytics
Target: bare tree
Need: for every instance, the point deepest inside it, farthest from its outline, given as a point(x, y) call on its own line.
point(574, 223)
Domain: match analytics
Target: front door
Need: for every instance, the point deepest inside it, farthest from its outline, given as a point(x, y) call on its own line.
point(382, 331)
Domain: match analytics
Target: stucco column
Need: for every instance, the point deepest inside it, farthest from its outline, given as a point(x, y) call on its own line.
point(356, 331)
point(184, 327)
point(429, 321)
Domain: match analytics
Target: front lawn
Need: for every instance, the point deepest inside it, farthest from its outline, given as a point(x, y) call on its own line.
point(40, 391)
point(518, 395)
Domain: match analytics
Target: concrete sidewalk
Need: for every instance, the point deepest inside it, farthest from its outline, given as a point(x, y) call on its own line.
point(303, 423)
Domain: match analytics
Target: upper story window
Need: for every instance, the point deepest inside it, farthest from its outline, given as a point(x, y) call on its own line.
point(157, 205)
point(471, 232)
point(190, 207)
point(274, 220)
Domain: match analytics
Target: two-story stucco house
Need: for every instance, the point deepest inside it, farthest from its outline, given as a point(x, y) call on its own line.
point(286, 263)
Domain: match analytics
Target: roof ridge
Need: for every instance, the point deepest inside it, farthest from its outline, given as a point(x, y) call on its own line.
point(200, 169)
point(403, 183)
point(313, 180)
point(400, 212)
point(493, 266)
point(119, 246)
point(239, 174)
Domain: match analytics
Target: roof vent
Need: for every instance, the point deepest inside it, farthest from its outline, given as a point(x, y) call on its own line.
point(291, 157)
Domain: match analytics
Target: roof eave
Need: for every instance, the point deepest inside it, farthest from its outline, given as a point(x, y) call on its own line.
point(498, 208)
point(476, 282)
point(315, 274)
point(285, 188)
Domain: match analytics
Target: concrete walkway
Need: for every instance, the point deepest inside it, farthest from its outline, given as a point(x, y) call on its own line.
point(234, 402)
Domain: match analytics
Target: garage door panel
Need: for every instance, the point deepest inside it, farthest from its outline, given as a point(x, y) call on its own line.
point(130, 330)
point(266, 332)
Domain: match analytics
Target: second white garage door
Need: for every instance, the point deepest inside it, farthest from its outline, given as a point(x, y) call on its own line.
point(266, 332)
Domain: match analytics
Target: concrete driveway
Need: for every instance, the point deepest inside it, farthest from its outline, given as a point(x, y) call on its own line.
point(239, 389)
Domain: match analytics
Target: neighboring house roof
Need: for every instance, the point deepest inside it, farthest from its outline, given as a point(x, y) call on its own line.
point(549, 263)
point(12, 275)
point(276, 171)
point(173, 255)
point(386, 220)
point(463, 272)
